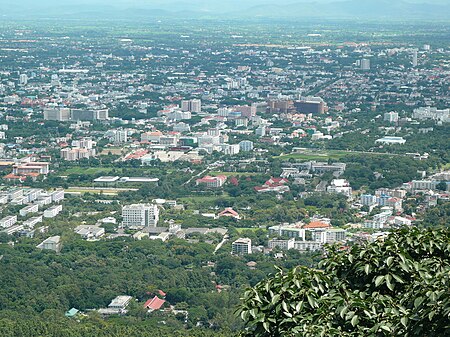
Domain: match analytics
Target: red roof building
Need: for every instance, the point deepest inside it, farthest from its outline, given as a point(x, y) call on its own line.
point(230, 213)
point(154, 304)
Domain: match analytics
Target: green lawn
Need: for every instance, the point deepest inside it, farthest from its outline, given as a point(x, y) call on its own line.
point(88, 170)
point(315, 155)
point(253, 229)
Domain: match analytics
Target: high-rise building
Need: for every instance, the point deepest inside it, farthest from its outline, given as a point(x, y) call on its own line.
point(193, 105)
point(57, 114)
point(140, 215)
point(241, 246)
point(391, 117)
point(313, 105)
point(246, 145)
point(365, 64)
point(23, 79)
point(120, 136)
point(414, 58)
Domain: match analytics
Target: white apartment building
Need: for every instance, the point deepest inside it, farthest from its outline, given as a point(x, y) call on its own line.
point(246, 145)
point(57, 195)
point(305, 246)
point(31, 222)
point(282, 244)
point(340, 186)
point(140, 215)
point(241, 246)
point(52, 211)
point(8, 221)
point(29, 209)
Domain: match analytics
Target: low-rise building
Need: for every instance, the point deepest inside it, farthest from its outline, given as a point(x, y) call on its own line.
point(8, 221)
point(52, 211)
point(51, 243)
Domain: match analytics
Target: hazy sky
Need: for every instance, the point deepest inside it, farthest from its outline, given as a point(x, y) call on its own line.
point(284, 8)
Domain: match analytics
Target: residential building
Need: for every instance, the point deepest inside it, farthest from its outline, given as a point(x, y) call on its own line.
point(51, 243)
point(340, 186)
point(140, 215)
point(213, 182)
point(241, 246)
point(282, 244)
point(52, 211)
point(8, 221)
point(29, 209)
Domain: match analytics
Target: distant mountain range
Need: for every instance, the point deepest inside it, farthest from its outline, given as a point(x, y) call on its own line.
point(291, 9)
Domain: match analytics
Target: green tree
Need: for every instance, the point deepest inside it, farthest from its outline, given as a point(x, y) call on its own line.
point(398, 287)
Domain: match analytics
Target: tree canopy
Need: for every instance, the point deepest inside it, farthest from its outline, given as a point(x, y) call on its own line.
point(395, 287)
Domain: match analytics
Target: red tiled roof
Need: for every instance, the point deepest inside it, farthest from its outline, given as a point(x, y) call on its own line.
point(316, 224)
point(155, 303)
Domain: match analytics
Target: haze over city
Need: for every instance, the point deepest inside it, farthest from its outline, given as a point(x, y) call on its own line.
point(234, 168)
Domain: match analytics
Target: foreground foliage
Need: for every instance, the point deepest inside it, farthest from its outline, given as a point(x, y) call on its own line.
point(398, 287)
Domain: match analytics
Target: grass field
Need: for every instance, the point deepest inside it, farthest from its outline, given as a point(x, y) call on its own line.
point(253, 229)
point(106, 191)
point(315, 155)
point(88, 170)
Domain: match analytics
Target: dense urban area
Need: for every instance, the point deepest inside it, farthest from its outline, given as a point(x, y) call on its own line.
point(151, 173)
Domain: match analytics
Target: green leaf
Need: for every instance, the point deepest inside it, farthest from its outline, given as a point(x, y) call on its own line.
point(355, 320)
point(418, 301)
point(404, 321)
point(389, 260)
point(378, 280)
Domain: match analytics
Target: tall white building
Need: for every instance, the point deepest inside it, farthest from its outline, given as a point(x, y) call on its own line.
point(23, 79)
point(193, 105)
point(57, 114)
point(241, 246)
point(414, 58)
point(391, 117)
point(246, 145)
point(140, 215)
point(120, 136)
point(365, 64)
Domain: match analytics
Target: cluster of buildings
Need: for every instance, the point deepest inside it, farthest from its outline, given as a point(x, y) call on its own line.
point(36, 205)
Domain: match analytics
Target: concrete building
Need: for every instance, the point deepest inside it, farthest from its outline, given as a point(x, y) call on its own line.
point(140, 215)
point(305, 246)
point(57, 114)
point(212, 182)
point(313, 105)
point(51, 243)
point(88, 232)
point(282, 244)
point(193, 105)
point(241, 246)
point(52, 211)
point(365, 64)
point(246, 145)
point(391, 117)
point(340, 186)
point(368, 200)
point(389, 140)
point(8, 221)
point(29, 209)
point(290, 231)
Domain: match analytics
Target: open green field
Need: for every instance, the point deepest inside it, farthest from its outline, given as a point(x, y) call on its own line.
point(308, 154)
point(252, 229)
point(106, 191)
point(88, 170)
